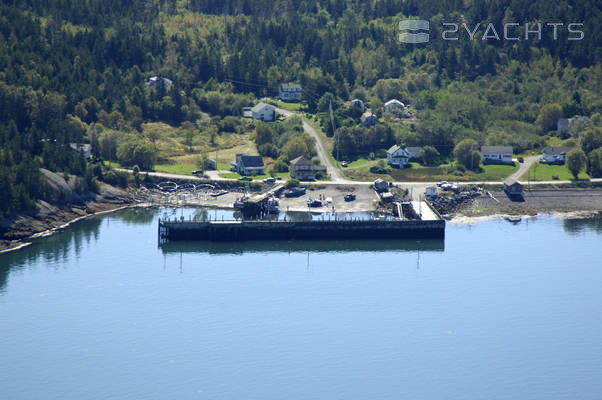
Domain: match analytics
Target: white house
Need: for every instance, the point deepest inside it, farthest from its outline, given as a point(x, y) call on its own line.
point(290, 92)
point(357, 103)
point(496, 154)
point(555, 155)
point(84, 148)
point(397, 157)
point(249, 165)
point(394, 105)
point(368, 119)
point(263, 112)
point(155, 81)
point(414, 152)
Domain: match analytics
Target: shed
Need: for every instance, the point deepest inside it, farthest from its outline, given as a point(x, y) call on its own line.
point(381, 186)
point(512, 187)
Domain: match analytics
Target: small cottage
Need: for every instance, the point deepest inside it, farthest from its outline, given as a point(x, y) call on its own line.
point(397, 157)
point(357, 103)
point(496, 154)
point(302, 169)
point(368, 119)
point(290, 92)
point(394, 105)
point(555, 155)
point(249, 165)
point(414, 152)
point(512, 187)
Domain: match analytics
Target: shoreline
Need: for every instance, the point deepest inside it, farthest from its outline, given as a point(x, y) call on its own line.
point(7, 246)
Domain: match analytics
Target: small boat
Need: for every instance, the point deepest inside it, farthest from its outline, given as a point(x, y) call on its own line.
point(273, 205)
point(240, 202)
point(295, 192)
point(515, 219)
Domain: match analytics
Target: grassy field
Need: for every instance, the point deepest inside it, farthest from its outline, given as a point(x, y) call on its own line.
point(184, 169)
point(418, 173)
point(235, 175)
point(545, 172)
point(287, 106)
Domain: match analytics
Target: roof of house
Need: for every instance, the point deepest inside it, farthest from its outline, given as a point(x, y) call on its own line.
point(250, 161)
point(556, 151)
point(414, 149)
point(395, 148)
point(366, 115)
point(85, 147)
point(260, 106)
point(510, 181)
point(496, 150)
point(394, 102)
point(356, 102)
point(289, 86)
point(301, 160)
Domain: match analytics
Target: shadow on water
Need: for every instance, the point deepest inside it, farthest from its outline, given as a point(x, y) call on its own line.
point(52, 250)
point(302, 246)
point(578, 225)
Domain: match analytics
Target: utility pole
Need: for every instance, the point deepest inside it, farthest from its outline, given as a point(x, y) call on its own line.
point(333, 129)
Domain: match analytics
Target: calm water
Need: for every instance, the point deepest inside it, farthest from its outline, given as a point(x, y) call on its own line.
point(497, 311)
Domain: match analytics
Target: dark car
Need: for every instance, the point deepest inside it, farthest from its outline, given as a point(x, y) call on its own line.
point(245, 178)
point(349, 197)
point(314, 203)
point(521, 160)
point(197, 172)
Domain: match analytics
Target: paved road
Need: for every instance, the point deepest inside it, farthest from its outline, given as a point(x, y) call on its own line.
point(331, 169)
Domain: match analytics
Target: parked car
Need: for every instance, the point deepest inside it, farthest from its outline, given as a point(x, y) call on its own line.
point(313, 203)
point(440, 184)
point(245, 178)
point(269, 180)
point(197, 172)
point(521, 160)
point(344, 164)
point(349, 197)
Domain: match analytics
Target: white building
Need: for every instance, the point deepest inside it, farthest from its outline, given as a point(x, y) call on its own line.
point(263, 112)
point(555, 155)
point(397, 157)
point(84, 148)
point(496, 154)
point(394, 106)
point(357, 103)
point(155, 81)
point(290, 92)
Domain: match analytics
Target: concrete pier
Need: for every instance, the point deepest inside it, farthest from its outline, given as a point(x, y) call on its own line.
point(305, 230)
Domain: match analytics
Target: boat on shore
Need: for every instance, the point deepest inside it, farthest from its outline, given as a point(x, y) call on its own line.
point(273, 205)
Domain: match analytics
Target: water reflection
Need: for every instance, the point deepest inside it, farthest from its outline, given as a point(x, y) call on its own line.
point(302, 246)
point(579, 225)
point(52, 250)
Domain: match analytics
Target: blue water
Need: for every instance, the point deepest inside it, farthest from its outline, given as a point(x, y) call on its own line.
point(496, 311)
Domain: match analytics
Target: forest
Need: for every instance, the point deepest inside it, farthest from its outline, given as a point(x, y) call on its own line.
point(77, 71)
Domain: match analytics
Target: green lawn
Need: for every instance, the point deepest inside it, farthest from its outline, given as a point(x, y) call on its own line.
point(235, 175)
point(418, 173)
point(112, 164)
point(183, 169)
point(545, 172)
point(287, 106)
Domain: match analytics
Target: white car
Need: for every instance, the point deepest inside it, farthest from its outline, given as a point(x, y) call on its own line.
point(269, 180)
point(440, 184)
